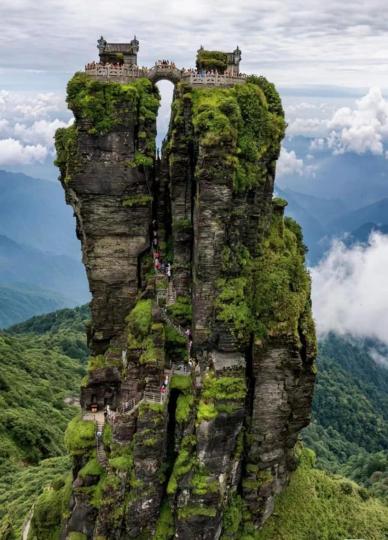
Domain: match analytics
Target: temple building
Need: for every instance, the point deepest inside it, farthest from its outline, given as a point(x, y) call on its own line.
point(118, 53)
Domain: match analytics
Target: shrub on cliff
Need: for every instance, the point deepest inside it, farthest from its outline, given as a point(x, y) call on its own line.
point(80, 435)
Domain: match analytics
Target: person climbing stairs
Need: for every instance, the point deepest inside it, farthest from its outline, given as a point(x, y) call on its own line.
point(100, 450)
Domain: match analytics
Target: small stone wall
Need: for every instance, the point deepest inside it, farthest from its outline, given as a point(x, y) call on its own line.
point(125, 74)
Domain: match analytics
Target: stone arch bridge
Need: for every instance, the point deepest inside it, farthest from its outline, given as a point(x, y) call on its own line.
point(160, 71)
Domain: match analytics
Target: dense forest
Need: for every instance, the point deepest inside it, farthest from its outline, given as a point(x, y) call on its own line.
point(349, 432)
point(42, 362)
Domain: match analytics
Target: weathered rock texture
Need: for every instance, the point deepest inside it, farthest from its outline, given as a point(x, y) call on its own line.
point(207, 461)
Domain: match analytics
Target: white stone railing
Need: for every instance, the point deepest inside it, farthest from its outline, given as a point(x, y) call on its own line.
point(162, 71)
point(197, 79)
point(115, 71)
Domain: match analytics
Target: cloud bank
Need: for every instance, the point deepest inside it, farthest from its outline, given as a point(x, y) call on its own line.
point(350, 290)
point(27, 126)
point(360, 129)
point(289, 163)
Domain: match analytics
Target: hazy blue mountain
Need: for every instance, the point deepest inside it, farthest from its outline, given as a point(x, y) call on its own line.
point(376, 214)
point(324, 219)
point(362, 233)
point(18, 303)
point(33, 212)
point(58, 273)
point(356, 180)
point(40, 257)
point(313, 214)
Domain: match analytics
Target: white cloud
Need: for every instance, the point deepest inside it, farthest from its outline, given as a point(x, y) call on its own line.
point(362, 129)
point(350, 290)
point(378, 358)
point(27, 126)
point(289, 163)
point(41, 131)
point(12, 152)
point(307, 127)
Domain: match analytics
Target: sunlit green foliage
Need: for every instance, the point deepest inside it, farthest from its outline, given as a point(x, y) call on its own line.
point(80, 435)
point(229, 388)
point(106, 105)
point(183, 464)
point(183, 407)
point(181, 311)
point(92, 468)
point(183, 383)
point(318, 506)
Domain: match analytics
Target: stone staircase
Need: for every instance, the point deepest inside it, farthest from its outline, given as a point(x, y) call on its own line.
point(170, 322)
point(100, 450)
point(171, 294)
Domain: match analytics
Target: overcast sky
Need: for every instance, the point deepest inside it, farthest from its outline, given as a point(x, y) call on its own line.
point(293, 42)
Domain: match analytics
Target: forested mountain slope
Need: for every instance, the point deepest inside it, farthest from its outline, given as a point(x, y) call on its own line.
point(349, 431)
point(41, 365)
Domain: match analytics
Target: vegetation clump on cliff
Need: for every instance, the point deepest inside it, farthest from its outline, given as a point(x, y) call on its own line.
point(102, 107)
point(243, 125)
point(279, 301)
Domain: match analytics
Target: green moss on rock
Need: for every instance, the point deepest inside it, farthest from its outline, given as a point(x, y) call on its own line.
point(183, 464)
point(192, 511)
point(136, 200)
point(165, 526)
point(80, 436)
point(241, 128)
point(272, 294)
point(68, 157)
point(182, 383)
point(106, 105)
point(229, 388)
point(140, 318)
point(92, 468)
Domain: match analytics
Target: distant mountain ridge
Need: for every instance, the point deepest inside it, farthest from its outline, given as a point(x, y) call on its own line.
point(18, 303)
point(33, 212)
point(323, 220)
point(40, 257)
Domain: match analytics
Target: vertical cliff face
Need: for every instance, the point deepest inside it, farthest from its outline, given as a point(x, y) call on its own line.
point(206, 378)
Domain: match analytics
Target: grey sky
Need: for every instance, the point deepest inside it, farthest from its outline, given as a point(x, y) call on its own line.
point(293, 42)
